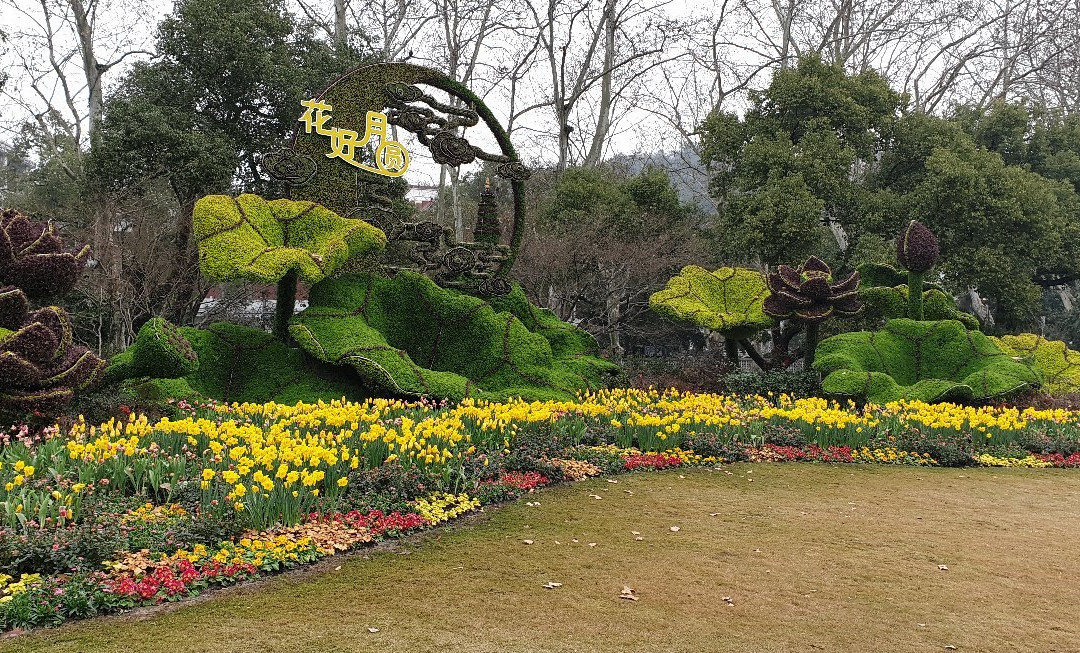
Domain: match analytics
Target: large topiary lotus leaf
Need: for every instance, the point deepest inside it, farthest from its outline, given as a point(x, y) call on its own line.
point(40, 366)
point(727, 301)
point(918, 360)
point(241, 364)
point(32, 256)
point(407, 336)
point(1059, 365)
point(248, 237)
point(883, 303)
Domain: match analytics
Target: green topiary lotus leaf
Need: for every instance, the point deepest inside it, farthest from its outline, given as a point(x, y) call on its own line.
point(727, 301)
point(918, 360)
point(1059, 365)
point(883, 303)
point(407, 336)
point(248, 237)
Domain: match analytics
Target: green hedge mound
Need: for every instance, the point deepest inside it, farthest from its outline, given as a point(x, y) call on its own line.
point(241, 364)
point(727, 301)
point(886, 303)
point(1059, 365)
point(920, 360)
point(407, 336)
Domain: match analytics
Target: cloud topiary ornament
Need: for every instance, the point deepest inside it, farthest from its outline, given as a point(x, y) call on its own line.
point(728, 301)
point(406, 336)
point(1059, 365)
point(915, 360)
point(277, 241)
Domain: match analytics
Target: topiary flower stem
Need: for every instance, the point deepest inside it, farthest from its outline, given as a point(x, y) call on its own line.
point(915, 295)
point(811, 345)
point(731, 348)
point(286, 301)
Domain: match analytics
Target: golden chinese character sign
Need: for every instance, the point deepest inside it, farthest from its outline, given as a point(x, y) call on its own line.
point(391, 157)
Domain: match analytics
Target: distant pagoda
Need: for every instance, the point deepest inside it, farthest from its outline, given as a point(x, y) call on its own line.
point(488, 229)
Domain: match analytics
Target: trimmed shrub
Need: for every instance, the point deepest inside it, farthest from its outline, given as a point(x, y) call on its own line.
point(1059, 365)
point(406, 336)
point(928, 361)
point(882, 303)
point(727, 301)
point(159, 351)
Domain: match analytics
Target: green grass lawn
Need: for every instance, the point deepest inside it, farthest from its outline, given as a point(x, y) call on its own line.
point(812, 558)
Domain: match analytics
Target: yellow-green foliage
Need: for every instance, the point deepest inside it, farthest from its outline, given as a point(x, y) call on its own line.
point(248, 237)
point(727, 300)
point(407, 336)
point(927, 361)
point(1058, 364)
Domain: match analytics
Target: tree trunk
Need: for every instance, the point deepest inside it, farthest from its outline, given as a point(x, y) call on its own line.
point(285, 304)
point(90, 68)
point(341, 30)
point(603, 122)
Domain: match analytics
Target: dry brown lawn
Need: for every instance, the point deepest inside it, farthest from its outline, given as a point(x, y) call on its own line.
point(812, 558)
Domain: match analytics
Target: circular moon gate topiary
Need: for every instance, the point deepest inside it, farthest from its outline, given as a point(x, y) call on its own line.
point(397, 89)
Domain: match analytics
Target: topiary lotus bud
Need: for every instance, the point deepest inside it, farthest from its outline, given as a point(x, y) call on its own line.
point(917, 248)
point(32, 256)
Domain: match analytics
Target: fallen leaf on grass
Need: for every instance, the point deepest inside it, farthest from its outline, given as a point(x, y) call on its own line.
point(681, 476)
point(558, 542)
point(727, 599)
point(950, 647)
point(372, 629)
point(628, 593)
point(674, 529)
point(592, 543)
point(713, 514)
point(574, 540)
point(595, 496)
point(639, 538)
point(550, 585)
point(943, 568)
point(337, 568)
point(611, 480)
point(526, 541)
point(628, 492)
point(635, 533)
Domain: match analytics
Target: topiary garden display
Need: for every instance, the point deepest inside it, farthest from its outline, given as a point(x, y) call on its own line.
point(1059, 365)
point(397, 324)
point(40, 365)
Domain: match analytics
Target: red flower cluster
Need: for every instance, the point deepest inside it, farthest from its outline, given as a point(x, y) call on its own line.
point(167, 581)
point(376, 522)
point(1058, 460)
point(810, 452)
point(651, 461)
point(525, 481)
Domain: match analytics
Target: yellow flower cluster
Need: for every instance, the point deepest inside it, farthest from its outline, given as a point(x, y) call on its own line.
point(9, 590)
point(149, 513)
point(988, 460)
point(891, 456)
point(443, 506)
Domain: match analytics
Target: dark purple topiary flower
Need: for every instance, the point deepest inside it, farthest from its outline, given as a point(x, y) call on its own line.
point(40, 365)
point(32, 256)
point(917, 248)
point(809, 294)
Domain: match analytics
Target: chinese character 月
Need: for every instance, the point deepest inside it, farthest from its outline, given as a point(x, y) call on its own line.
point(391, 157)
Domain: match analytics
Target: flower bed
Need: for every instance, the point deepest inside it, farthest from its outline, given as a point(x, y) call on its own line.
point(101, 518)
